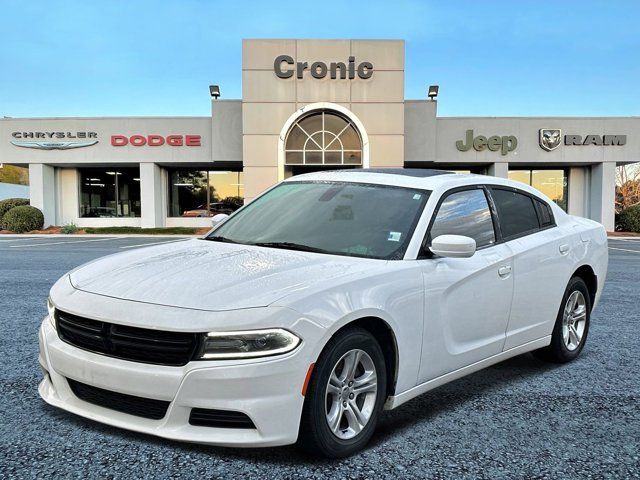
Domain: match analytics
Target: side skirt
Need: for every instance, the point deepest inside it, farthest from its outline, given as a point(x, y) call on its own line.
point(396, 400)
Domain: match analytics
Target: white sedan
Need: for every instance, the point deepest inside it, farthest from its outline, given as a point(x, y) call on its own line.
point(331, 296)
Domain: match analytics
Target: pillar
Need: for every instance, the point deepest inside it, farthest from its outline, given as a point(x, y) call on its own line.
point(499, 170)
point(42, 191)
point(151, 206)
point(602, 194)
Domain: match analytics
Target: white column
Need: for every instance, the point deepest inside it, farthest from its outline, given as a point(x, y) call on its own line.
point(602, 194)
point(499, 170)
point(577, 191)
point(152, 209)
point(42, 191)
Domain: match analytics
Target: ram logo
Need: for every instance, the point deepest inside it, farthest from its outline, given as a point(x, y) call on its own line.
point(550, 138)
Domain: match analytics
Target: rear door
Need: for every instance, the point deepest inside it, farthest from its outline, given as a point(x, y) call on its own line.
point(467, 300)
point(541, 263)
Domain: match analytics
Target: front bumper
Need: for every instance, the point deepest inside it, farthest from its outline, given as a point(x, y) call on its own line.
point(267, 390)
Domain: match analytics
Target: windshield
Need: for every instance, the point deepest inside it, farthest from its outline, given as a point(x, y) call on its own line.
point(340, 218)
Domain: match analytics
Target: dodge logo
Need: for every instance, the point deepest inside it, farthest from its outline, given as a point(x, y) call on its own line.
point(550, 138)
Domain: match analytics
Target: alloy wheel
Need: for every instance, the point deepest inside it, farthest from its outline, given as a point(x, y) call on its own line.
point(351, 393)
point(574, 320)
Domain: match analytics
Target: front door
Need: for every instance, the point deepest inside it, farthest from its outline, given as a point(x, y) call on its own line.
point(467, 300)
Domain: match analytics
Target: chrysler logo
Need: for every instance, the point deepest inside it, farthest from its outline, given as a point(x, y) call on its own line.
point(48, 140)
point(550, 138)
point(47, 145)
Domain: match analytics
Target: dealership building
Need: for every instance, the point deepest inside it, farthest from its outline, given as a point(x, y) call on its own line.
point(306, 105)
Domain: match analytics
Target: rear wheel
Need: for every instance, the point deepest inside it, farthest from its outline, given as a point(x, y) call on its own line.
point(572, 324)
point(345, 395)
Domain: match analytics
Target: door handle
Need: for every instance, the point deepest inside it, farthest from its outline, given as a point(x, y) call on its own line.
point(504, 271)
point(564, 248)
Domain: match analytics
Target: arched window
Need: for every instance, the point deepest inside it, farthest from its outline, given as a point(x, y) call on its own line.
point(323, 138)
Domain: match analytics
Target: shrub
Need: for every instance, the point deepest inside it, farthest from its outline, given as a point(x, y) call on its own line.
point(630, 219)
point(233, 202)
point(23, 218)
point(69, 228)
point(9, 203)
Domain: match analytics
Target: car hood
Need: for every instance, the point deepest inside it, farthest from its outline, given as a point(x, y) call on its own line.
point(207, 275)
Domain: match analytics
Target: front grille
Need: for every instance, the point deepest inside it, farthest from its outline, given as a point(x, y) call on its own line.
point(138, 406)
point(205, 417)
point(128, 343)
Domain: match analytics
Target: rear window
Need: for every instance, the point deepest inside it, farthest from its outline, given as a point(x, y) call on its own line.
point(516, 211)
point(544, 213)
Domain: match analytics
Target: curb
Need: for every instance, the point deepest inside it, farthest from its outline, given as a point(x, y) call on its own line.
point(92, 235)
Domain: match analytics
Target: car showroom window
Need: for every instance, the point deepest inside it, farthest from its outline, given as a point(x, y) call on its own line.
point(465, 213)
point(516, 213)
point(109, 192)
point(204, 193)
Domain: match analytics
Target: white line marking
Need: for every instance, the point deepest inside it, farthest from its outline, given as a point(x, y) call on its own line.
point(155, 243)
point(22, 239)
point(61, 243)
point(625, 250)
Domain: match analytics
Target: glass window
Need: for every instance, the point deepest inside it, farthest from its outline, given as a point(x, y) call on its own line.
point(465, 213)
point(323, 138)
point(516, 213)
point(109, 192)
point(545, 214)
point(204, 193)
point(553, 183)
point(340, 218)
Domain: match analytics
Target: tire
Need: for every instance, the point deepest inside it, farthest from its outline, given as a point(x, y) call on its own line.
point(325, 400)
point(566, 345)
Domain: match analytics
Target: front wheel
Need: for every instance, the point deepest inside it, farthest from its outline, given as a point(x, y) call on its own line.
point(345, 395)
point(572, 324)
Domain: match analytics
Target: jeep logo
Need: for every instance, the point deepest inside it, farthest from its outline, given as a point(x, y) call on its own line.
point(283, 66)
point(505, 143)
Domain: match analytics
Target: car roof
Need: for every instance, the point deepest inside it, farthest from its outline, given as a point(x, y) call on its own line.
point(423, 178)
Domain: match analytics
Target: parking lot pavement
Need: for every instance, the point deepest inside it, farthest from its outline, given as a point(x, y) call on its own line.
point(519, 419)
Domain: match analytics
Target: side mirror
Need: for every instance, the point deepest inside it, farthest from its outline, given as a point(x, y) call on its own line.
point(218, 219)
point(453, 246)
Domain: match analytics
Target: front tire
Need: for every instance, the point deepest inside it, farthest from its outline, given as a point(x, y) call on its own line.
point(572, 324)
point(345, 395)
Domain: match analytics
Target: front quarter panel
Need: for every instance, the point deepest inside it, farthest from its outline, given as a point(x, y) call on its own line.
point(393, 292)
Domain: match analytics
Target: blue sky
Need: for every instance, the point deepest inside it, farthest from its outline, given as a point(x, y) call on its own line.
point(107, 58)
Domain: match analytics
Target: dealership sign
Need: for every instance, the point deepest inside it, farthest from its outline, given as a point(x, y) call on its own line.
point(54, 140)
point(285, 67)
point(504, 143)
point(551, 138)
point(156, 140)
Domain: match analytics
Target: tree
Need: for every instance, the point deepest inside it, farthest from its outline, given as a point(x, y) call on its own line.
point(627, 186)
point(13, 174)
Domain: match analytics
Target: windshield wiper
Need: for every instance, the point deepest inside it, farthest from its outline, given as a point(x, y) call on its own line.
point(290, 246)
point(220, 238)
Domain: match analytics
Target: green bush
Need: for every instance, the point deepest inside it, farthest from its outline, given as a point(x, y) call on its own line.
point(69, 228)
point(233, 202)
point(22, 219)
point(630, 219)
point(9, 203)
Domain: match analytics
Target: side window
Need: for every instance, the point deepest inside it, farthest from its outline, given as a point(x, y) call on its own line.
point(544, 214)
point(516, 212)
point(465, 213)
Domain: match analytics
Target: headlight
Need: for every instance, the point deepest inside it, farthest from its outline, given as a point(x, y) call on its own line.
point(248, 344)
point(52, 311)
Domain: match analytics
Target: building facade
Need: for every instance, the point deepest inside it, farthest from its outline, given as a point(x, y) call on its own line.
point(306, 105)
